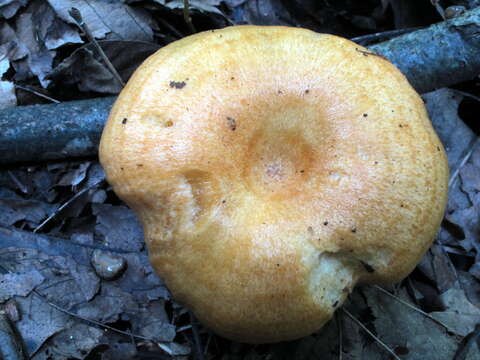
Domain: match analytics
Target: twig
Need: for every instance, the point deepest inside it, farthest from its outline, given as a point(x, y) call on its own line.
point(17, 182)
point(436, 4)
point(38, 93)
point(455, 173)
point(68, 202)
point(466, 94)
point(186, 16)
point(91, 321)
point(364, 328)
point(77, 16)
point(369, 38)
point(340, 336)
point(170, 27)
point(414, 308)
point(210, 336)
point(196, 337)
point(183, 328)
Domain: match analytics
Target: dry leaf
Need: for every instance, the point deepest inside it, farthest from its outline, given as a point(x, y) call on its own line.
point(84, 69)
point(460, 315)
point(40, 36)
point(419, 337)
point(8, 8)
point(71, 343)
point(108, 19)
point(41, 322)
point(7, 88)
point(119, 227)
point(13, 284)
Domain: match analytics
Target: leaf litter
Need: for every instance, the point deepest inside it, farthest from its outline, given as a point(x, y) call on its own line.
point(63, 231)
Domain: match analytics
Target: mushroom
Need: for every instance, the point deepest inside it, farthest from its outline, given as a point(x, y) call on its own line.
point(273, 169)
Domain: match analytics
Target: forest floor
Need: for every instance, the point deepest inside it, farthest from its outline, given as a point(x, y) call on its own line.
point(61, 224)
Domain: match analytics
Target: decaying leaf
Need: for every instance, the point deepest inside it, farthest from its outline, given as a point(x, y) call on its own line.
point(119, 226)
point(202, 6)
point(108, 19)
point(85, 69)
point(75, 176)
point(32, 211)
point(153, 322)
point(456, 136)
point(71, 343)
point(462, 221)
point(10, 44)
point(8, 8)
point(415, 334)
point(21, 284)
point(42, 322)
point(108, 306)
point(268, 12)
point(40, 36)
point(465, 215)
point(471, 286)
point(445, 276)
point(69, 282)
point(460, 315)
point(7, 88)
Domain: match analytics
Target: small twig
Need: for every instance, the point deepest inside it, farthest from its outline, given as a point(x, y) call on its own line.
point(414, 308)
point(458, 251)
point(196, 337)
point(364, 328)
point(210, 336)
point(454, 175)
point(369, 38)
point(91, 321)
point(186, 16)
point(68, 202)
point(17, 182)
point(340, 335)
point(439, 8)
point(77, 16)
point(466, 94)
point(170, 27)
point(183, 328)
point(38, 93)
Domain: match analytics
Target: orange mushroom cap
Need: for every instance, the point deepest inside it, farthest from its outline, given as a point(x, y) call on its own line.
point(273, 168)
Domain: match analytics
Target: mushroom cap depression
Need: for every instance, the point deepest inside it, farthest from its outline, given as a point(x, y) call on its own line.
point(273, 168)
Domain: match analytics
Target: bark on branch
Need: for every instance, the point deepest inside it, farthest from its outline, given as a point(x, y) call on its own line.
point(439, 56)
point(431, 58)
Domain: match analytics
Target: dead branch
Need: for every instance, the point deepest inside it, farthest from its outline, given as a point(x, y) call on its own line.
point(54, 131)
point(441, 55)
